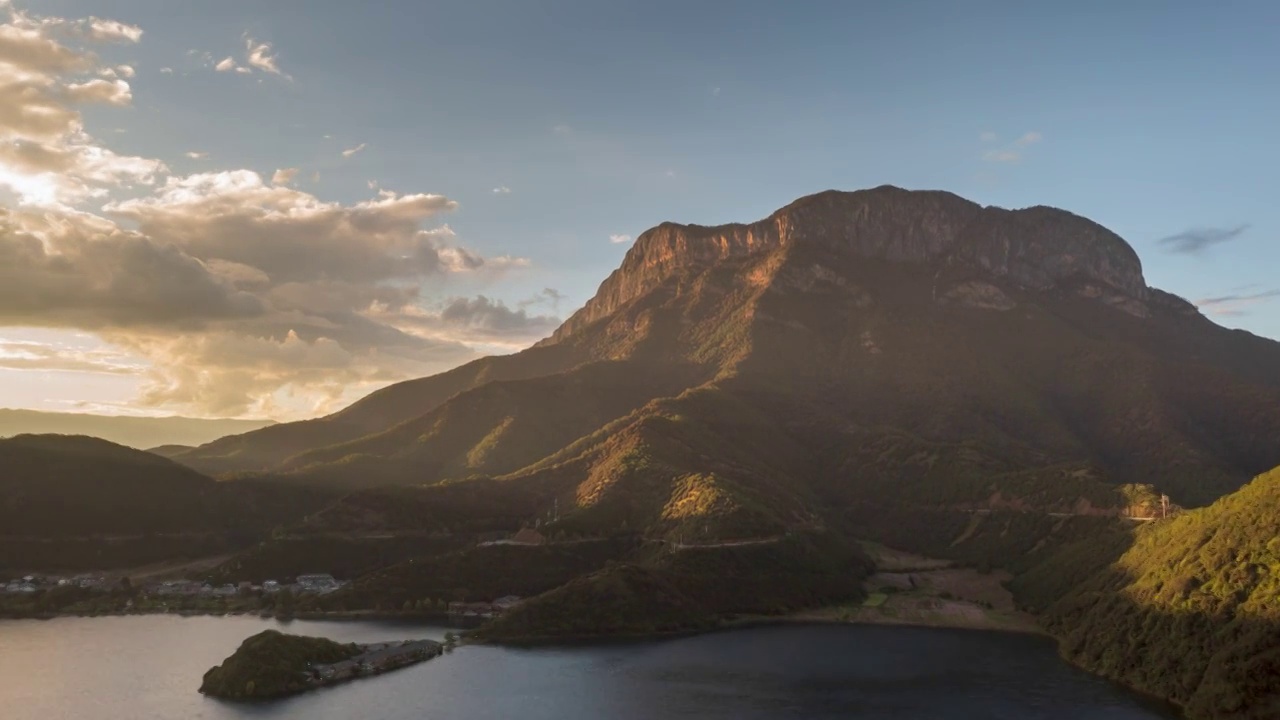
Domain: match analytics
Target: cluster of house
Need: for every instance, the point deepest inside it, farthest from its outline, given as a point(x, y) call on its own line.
point(33, 583)
point(484, 609)
point(376, 658)
point(314, 584)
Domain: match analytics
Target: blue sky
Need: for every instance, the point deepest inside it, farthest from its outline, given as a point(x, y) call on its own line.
point(603, 119)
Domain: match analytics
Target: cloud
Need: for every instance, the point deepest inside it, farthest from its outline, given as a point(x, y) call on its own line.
point(47, 158)
point(502, 190)
point(1196, 240)
point(108, 92)
point(1002, 156)
point(478, 319)
point(236, 290)
point(111, 30)
point(619, 239)
point(1235, 304)
point(1012, 152)
point(1030, 138)
point(715, 91)
point(547, 296)
point(241, 296)
point(166, 70)
point(284, 176)
point(352, 151)
point(47, 357)
point(260, 57)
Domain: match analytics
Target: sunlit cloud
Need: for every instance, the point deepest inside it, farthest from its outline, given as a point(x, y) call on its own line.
point(222, 292)
point(260, 56)
point(284, 176)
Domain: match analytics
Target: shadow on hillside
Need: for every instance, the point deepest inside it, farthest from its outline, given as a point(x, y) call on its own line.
point(1065, 569)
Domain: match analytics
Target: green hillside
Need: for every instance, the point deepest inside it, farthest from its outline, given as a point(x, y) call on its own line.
point(272, 664)
point(1192, 610)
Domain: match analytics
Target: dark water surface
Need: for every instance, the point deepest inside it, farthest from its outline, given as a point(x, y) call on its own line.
point(140, 668)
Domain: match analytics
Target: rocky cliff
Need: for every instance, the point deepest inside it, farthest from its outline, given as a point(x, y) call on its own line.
point(1038, 248)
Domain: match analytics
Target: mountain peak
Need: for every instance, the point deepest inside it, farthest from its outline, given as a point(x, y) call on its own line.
point(1038, 248)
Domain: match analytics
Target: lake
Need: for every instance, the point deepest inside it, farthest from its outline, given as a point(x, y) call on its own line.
point(148, 667)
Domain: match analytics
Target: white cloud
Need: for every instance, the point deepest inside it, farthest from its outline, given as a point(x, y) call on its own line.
point(227, 64)
point(352, 151)
point(1029, 138)
point(195, 155)
point(166, 70)
point(125, 71)
point(242, 70)
point(619, 239)
point(988, 137)
point(100, 29)
point(284, 176)
point(260, 57)
point(1012, 152)
point(111, 92)
point(502, 190)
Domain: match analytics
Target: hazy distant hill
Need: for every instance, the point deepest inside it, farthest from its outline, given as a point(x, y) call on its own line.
point(135, 432)
point(69, 485)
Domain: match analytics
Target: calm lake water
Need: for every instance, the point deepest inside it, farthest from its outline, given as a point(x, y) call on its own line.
point(139, 668)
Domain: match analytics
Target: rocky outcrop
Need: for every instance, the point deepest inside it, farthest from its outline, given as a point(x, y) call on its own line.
point(979, 295)
point(1037, 248)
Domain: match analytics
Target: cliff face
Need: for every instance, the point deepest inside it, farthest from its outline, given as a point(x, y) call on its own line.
point(1037, 248)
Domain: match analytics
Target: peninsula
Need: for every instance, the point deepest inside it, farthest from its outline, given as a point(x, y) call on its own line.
point(272, 664)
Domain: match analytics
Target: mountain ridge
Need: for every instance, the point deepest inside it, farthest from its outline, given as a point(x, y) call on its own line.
point(913, 312)
point(940, 225)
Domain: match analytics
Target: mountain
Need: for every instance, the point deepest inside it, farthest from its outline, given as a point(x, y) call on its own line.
point(709, 433)
point(849, 345)
point(135, 432)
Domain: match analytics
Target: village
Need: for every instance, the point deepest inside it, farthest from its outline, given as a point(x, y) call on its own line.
point(310, 584)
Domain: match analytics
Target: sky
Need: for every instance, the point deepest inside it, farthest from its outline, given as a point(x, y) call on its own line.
point(242, 209)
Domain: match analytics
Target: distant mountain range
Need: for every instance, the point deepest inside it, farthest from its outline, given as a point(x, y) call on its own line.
point(136, 432)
